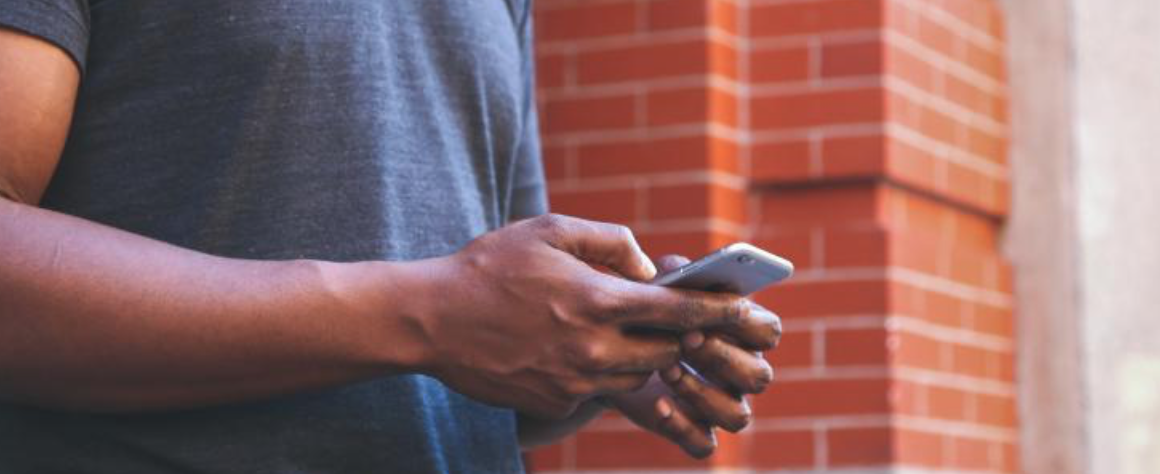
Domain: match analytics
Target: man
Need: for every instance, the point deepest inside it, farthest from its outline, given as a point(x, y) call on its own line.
point(272, 236)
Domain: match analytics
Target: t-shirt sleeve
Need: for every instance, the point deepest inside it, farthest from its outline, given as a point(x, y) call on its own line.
point(529, 193)
point(64, 23)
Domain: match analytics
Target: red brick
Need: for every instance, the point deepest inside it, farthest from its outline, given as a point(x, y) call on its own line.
point(986, 62)
point(939, 126)
point(977, 15)
point(552, 70)
point(918, 448)
point(661, 155)
point(822, 206)
point(588, 114)
point(585, 20)
point(912, 70)
point(972, 361)
point(632, 449)
point(1009, 457)
point(797, 247)
point(976, 231)
point(908, 398)
point(697, 200)
point(795, 350)
point(675, 14)
point(946, 403)
point(858, 156)
point(732, 450)
point(723, 60)
point(970, 96)
point(690, 244)
point(724, 15)
point(856, 248)
point(811, 109)
point(905, 299)
point(986, 145)
point(800, 300)
point(556, 159)
point(669, 107)
point(782, 449)
point(781, 64)
point(919, 351)
point(692, 105)
point(860, 447)
point(993, 320)
point(856, 347)
point(919, 215)
point(918, 251)
point(613, 205)
point(934, 35)
point(852, 59)
point(996, 410)
point(943, 309)
point(781, 161)
point(972, 454)
point(814, 17)
point(797, 398)
point(972, 267)
point(631, 63)
point(910, 165)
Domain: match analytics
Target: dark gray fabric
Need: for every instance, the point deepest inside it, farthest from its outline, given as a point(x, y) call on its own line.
point(277, 129)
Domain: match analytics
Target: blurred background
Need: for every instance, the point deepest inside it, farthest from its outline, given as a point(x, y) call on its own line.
point(967, 187)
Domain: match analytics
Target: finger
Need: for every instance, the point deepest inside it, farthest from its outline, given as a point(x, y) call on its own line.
point(727, 364)
point(759, 329)
point(656, 307)
point(622, 383)
point(610, 245)
point(675, 424)
point(669, 263)
point(711, 403)
point(644, 352)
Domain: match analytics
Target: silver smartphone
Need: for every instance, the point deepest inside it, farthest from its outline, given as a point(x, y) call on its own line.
point(739, 268)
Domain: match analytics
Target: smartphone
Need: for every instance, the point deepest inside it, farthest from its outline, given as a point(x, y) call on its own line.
point(738, 268)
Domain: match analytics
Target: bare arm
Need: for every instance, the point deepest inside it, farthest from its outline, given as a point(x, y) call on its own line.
point(93, 318)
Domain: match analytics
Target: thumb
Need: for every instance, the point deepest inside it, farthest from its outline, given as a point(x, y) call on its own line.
point(599, 243)
point(670, 263)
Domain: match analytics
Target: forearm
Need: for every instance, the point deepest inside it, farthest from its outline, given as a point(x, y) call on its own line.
point(534, 432)
point(96, 319)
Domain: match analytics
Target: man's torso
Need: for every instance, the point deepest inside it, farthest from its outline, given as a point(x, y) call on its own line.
point(273, 129)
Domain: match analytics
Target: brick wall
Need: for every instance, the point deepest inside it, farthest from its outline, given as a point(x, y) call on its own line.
point(863, 139)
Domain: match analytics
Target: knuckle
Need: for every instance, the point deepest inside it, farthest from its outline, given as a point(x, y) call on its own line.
point(623, 233)
point(764, 378)
point(738, 311)
point(595, 357)
point(739, 419)
point(552, 225)
point(760, 379)
point(775, 323)
point(604, 303)
point(575, 389)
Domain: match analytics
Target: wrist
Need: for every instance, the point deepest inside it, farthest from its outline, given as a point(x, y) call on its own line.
point(387, 304)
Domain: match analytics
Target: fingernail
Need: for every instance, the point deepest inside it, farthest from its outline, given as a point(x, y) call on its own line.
point(664, 408)
point(672, 374)
point(649, 269)
point(692, 340)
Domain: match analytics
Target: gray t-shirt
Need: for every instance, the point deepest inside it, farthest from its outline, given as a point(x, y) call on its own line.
point(278, 129)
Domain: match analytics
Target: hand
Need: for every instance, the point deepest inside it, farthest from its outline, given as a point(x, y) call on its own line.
point(684, 407)
point(523, 320)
